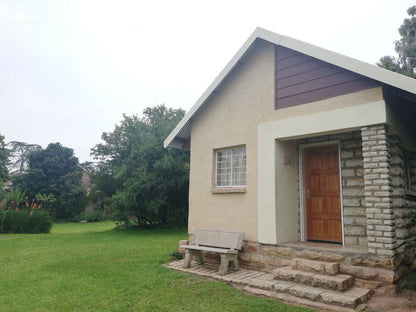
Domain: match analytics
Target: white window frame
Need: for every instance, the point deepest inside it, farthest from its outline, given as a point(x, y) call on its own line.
point(231, 185)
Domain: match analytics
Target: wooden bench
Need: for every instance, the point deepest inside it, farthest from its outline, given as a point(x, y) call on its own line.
point(224, 242)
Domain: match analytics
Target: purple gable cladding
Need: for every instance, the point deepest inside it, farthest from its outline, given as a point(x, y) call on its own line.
point(303, 79)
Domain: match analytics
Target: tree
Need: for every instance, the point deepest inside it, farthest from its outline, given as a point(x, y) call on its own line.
point(142, 180)
point(103, 184)
point(55, 171)
point(4, 154)
point(405, 62)
point(19, 155)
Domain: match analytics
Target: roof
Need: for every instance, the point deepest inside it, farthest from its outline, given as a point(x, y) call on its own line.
point(182, 132)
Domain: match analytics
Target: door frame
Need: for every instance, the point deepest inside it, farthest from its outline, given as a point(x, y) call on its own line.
point(302, 201)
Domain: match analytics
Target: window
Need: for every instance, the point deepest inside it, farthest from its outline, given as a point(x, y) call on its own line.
point(230, 167)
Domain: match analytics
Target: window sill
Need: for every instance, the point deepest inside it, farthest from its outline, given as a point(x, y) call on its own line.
point(227, 190)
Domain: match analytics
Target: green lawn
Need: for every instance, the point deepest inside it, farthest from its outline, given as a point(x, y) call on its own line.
point(90, 267)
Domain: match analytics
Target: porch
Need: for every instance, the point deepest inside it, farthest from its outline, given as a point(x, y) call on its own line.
point(355, 191)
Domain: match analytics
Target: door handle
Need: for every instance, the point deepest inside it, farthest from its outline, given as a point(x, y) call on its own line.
point(308, 193)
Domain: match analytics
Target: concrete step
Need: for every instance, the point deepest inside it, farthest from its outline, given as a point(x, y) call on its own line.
point(350, 298)
point(329, 268)
point(340, 282)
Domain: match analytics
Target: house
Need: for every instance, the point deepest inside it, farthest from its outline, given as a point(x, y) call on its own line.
point(310, 153)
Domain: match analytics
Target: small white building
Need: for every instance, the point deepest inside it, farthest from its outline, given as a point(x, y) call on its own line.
point(308, 152)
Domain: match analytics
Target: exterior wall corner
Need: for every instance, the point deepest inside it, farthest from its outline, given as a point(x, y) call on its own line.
point(381, 231)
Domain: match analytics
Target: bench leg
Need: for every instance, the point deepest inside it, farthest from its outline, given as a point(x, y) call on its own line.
point(235, 263)
point(223, 265)
point(225, 260)
point(187, 260)
point(188, 257)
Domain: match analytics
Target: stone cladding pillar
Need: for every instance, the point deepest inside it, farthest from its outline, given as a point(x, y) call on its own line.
point(381, 234)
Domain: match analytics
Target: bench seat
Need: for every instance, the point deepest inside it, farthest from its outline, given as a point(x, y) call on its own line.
point(211, 249)
point(225, 243)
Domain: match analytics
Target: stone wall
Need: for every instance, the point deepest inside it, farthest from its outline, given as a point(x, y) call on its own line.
point(381, 232)
point(355, 221)
point(412, 171)
point(403, 200)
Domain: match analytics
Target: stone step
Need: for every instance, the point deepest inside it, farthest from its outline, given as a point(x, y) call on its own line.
point(319, 306)
point(329, 268)
point(338, 282)
point(350, 298)
point(366, 283)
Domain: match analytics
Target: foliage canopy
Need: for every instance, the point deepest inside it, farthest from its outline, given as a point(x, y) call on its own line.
point(4, 154)
point(405, 62)
point(143, 183)
point(19, 155)
point(54, 171)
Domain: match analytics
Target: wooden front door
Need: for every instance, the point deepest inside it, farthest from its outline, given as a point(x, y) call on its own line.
point(322, 194)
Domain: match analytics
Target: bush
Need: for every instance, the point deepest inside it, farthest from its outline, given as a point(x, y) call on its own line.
point(39, 222)
point(25, 221)
point(90, 216)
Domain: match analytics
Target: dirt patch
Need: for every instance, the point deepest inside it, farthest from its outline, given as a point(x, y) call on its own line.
point(405, 301)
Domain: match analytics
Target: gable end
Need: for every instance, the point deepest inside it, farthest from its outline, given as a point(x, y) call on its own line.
point(301, 79)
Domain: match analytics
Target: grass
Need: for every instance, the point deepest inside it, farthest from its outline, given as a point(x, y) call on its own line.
point(90, 267)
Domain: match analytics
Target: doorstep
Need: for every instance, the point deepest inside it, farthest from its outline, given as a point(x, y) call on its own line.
point(327, 247)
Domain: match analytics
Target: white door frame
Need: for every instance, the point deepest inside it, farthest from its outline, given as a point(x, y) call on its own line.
point(302, 201)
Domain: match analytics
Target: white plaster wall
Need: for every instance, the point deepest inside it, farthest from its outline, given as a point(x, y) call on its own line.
point(229, 119)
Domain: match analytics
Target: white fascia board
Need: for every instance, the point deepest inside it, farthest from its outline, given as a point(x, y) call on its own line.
point(333, 121)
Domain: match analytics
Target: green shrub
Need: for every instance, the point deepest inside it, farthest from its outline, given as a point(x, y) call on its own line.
point(39, 222)
point(90, 216)
point(13, 221)
point(25, 221)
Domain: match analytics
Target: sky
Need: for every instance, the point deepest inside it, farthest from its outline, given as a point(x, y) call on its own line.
point(70, 69)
